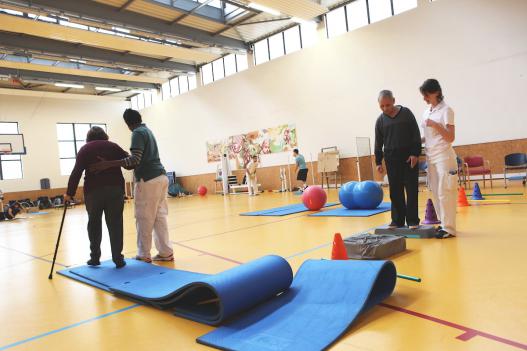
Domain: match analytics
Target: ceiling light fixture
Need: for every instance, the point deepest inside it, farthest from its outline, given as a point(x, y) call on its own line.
point(107, 89)
point(66, 85)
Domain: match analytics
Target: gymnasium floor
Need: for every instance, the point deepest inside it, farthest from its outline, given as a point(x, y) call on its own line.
point(472, 296)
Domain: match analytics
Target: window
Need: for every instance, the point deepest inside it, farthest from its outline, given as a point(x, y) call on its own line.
point(230, 64)
point(174, 86)
point(165, 90)
point(140, 101)
point(183, 84)
point(134, 102)
point(148, 98)
point(241, 62)
point(357, 14)
point(192, 82)
point(261, 52)
point(206, 74)
point(403, 5)
point(10, 165)
point(292, 40)
point(309, 34)
point(379, 10)
point(336, 22)
point(276, 46)
point(217, 69)
point(71, 137)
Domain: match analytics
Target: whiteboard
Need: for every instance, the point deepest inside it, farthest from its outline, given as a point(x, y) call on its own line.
point(16, 141)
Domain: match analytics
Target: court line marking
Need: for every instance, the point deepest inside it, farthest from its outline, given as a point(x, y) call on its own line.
point(55, 331)
point(32, 256)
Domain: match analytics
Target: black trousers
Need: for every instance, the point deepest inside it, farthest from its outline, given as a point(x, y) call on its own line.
point(110, 201)
point(402, 177)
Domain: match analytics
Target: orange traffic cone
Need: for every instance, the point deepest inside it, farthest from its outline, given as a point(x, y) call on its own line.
point(339, 249)
point(462, 198)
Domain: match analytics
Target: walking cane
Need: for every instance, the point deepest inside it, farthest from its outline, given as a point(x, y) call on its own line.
point(66, 203)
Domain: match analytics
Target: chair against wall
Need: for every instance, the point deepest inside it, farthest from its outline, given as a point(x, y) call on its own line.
point(477, 165)
point(515, 162)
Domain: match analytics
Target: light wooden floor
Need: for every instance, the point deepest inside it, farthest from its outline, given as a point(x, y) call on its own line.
point(473, 295)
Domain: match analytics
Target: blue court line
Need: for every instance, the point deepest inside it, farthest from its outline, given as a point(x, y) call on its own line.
point(35, 257)
point(67, 327)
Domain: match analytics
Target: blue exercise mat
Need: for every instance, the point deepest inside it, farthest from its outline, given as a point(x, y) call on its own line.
point(283, 210)
point(344, 212)
point(266, 309)
point(324, 300)
point(208, 299)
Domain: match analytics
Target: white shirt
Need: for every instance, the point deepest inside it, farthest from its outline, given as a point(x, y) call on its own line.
point(251, 167)
point(435, 144)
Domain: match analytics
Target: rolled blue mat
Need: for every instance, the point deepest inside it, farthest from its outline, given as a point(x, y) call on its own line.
point(324, 300)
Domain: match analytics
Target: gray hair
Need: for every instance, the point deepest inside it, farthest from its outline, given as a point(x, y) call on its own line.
point(385, 93)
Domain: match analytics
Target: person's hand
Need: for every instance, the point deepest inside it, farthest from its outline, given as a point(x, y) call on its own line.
point(431, 123)
point(100, 166)
point(412, 160)
point(380, 169)
point(68, 199)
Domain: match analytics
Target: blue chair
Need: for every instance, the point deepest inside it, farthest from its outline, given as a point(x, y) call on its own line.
point(515, 162)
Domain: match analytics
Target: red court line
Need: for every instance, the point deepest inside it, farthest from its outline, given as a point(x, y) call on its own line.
point(468, 334)
point(208, 253)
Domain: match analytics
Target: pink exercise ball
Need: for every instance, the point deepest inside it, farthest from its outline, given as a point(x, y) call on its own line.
point(202, 190)
point(314, 198)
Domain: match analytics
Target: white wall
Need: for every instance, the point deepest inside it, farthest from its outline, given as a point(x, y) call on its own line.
point(477, 49)
point(37, 118)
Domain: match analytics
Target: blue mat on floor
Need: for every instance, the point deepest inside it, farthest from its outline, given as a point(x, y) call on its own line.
point(284, 210)
point(324, 300)
point(266, 309)
point(344, 212)
point(227, 293)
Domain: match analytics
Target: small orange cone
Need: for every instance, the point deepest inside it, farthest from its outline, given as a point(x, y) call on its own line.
point(462, 198)
point(339, 249)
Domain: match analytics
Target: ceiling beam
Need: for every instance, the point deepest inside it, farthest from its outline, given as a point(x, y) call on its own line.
point(234, 24)
point(79, 72)
point(190, 12)
point(16, 24)
point(57, 77)
point(126, 5)
point(89, 8)
point(44, 45)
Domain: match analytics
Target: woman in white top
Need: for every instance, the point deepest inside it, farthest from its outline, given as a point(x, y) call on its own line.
point(250, 173)
point(439, 133)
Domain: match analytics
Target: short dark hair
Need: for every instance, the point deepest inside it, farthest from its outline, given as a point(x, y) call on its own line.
point(295, 151)
point(431, 86)
point(132, 117)
point(96, 133)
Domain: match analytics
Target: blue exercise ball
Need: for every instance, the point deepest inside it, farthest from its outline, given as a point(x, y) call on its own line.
point(346, 195)
point(367, 195)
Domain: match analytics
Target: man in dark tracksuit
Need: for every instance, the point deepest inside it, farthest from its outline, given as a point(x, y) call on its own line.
point(398, 141)
point(103, 193)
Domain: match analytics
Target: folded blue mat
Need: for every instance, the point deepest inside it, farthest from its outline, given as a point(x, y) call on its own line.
point(344, 212)
point(284, 210)
point(265, 307)
point(324, 300)
point(184, 293)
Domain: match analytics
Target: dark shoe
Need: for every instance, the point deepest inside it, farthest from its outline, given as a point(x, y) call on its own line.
point(394, 225)
point(443, 234)
point(120, 264)
point(93, 262)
